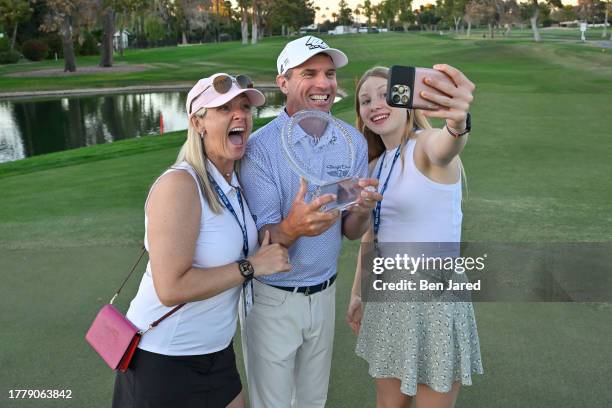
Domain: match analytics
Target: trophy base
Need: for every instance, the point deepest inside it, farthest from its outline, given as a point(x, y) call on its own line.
point(347, 192)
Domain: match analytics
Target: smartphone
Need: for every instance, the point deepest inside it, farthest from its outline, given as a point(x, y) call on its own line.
point(347, 191)
point(405, 85)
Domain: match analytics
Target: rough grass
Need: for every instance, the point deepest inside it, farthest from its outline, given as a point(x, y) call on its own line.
point(537, 163)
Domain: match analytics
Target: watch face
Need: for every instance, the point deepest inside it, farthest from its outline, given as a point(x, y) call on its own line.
point(246, 268)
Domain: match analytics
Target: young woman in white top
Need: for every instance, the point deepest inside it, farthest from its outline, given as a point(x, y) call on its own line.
point(203, 247)
point(415, 350)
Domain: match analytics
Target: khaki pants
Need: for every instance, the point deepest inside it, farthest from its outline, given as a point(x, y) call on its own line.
point(289, 339)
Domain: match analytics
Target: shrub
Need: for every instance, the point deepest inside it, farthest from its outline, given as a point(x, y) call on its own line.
point(54, 42)
point(35, 50)
point(9, 57)
point(141, 40)
point(5, 44)
point(154, 28)
point(89, 46)
point(547, 21)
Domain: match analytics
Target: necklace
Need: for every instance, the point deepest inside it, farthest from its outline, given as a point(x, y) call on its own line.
point(227, 176)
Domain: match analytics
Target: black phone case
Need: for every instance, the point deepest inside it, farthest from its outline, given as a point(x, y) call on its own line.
point(400, 76)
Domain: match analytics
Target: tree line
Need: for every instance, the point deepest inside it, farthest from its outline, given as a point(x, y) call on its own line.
point(66, 28)
point(461, 15)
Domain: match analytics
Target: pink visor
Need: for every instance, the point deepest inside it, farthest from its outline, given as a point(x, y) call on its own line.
point(221, 88)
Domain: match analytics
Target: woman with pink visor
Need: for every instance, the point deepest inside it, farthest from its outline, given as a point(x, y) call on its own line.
point(203, 251)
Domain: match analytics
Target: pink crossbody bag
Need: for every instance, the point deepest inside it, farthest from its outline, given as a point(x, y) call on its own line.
point(113, 336)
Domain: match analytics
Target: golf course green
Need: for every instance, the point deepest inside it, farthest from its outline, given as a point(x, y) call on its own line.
point(537, 165)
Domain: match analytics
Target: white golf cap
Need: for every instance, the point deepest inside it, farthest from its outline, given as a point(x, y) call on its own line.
point(298, 51)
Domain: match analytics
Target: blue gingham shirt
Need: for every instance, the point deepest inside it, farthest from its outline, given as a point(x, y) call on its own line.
point(270, 185)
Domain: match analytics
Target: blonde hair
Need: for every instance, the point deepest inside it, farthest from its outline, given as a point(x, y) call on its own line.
point(194, 153)
point(376, 147)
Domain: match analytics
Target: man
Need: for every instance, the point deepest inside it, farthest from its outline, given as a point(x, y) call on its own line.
point(289, 331)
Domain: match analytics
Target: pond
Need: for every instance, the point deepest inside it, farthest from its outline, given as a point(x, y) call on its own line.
point(38, 126)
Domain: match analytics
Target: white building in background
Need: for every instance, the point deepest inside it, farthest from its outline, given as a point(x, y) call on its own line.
point(339, 30)
point(309, 29)
point(574, 23)
point(121, 37)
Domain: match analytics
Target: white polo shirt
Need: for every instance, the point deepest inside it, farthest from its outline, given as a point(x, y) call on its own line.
point(204, 326)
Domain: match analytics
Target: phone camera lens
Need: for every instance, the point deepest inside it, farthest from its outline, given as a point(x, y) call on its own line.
point(395, 88)
point(405, 99)
point(396, 98)
point(402, 89)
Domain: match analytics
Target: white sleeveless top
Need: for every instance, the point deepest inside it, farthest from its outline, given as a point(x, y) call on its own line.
point(208, 325)
point(415, 208)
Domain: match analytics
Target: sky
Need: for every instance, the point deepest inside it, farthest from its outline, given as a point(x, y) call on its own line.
point(330, 6)
point(333, 6)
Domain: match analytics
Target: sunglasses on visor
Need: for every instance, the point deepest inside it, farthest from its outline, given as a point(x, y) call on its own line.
point(223, 83)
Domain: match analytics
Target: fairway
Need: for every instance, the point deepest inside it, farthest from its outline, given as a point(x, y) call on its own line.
point(537, 166)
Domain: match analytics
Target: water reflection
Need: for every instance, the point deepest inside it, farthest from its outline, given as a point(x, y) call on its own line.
point(33, 127)
point(11, 148)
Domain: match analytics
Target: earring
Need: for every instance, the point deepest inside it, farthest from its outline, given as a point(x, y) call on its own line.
point(201, 135)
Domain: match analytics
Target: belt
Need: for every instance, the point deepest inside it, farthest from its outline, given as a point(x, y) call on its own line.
point(308, 290)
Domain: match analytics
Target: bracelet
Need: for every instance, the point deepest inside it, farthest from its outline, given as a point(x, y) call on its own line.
point(456, 134)
point(468, 127)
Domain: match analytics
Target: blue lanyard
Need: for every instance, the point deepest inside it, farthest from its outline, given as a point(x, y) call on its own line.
point(243, 228)
point(228, 205)
point(376, 211)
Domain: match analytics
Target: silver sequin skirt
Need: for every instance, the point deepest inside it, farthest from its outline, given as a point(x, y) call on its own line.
point(435, 344)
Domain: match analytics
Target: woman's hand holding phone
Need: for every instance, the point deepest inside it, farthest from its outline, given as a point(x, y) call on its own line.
point(454, 107)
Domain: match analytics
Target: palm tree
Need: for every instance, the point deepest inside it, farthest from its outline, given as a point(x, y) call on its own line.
point(244, 22)
point(357, 12)
point(254, 23)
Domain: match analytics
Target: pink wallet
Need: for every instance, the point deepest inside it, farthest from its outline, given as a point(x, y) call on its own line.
point(114, 337)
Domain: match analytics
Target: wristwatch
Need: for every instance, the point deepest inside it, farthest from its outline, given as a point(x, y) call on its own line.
point(246, 269)
point(468, 127)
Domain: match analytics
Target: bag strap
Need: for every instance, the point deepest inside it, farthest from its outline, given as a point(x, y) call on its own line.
point(128, 276)
point(158, 321)
point(177, 307)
